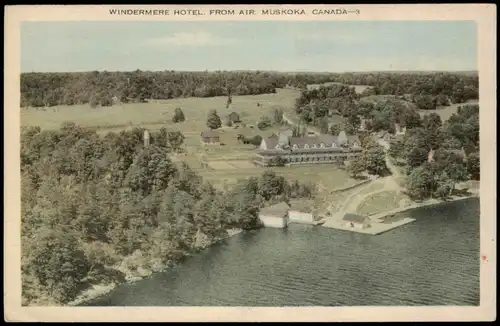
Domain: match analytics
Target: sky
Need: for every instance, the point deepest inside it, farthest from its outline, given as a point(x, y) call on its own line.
point(320, 46)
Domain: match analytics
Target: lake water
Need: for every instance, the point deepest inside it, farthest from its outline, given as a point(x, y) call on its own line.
point(432, 261)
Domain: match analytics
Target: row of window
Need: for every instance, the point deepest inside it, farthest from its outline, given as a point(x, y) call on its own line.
point(322, 145)
point(315, 158)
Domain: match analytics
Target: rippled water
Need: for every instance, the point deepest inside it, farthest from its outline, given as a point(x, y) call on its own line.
point(432, 261)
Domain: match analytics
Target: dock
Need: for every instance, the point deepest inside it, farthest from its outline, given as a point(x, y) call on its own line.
point(378, 224)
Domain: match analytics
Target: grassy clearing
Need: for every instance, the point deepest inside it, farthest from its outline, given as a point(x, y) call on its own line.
point(380, 202)
point(159, 113)
point(328, 175)
point(445, 112)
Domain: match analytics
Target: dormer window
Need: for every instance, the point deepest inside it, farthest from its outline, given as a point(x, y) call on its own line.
point(295, 146)
point(278, 147)
point(355, 144)
point(306, 146)
point(322, 145)
point(334, 145)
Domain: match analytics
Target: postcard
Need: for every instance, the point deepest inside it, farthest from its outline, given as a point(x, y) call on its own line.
point(250, 163)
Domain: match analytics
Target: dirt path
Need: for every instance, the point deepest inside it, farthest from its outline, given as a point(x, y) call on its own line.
point(388, 183)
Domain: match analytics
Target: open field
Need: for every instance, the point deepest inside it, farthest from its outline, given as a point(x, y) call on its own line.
point(330, 176)
point(445, 112)
point(159, 113)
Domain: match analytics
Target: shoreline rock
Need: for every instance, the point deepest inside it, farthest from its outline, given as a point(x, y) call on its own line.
point(131, 276)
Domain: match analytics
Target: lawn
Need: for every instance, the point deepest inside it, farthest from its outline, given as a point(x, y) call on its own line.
point(445, 112)
point(226, 163)
point(330, 176)
point(380, 202)
point(159, 113)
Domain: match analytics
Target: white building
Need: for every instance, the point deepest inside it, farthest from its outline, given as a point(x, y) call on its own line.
point(304, 215)
point(275, 216)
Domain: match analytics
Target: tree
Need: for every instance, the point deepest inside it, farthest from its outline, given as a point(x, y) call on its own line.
point(373, 158)
point(271, 185)
point(432, 122)
point(473, 166)
point(256, 140)
point(396, 148)
point(323, 126)
point(178, 116)
point(445, 186)
point(277, 161)
point(264, 123)
point(278, 116)
point(420, 182)
point(213, 120)
point(356, 167)
point(425, 102)
point(58, 262)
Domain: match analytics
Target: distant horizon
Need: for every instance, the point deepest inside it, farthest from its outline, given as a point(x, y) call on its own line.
point(258, 70)
point(285, 46)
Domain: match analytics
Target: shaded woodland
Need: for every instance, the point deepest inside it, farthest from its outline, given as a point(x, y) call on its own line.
point(94, 206)
point(106, 88)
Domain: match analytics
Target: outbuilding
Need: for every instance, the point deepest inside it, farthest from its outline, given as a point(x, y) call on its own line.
point(301, 214)
point(210, 137)
point(275, 216)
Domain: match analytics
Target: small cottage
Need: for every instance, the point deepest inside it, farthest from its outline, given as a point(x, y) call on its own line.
point(210, 137)
point(355, 221)
point(233, 117)
point(275, 216)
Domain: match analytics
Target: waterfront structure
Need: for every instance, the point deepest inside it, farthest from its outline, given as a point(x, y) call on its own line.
point(301, 214)
point(308, 150)
point(210, 137)
point(354, 221)
point(275, 216)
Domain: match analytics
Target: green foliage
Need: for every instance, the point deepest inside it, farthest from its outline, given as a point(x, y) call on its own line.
point(420, 182)
point(213, 120)
point(473, 166)
point(277, 161)
point(264, 123)
point(178, 116)
point(49, 89)
point(278, 116)
point(372, 160)
point(93, 206)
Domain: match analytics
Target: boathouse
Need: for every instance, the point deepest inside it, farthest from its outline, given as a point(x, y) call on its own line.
point(301, 214)
point(275, 216)
point(355, 221)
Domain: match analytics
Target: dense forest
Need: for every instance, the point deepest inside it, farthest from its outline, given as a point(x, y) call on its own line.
point(105, 88)
point(437, 155)
point(97, 208)
point(317, 106)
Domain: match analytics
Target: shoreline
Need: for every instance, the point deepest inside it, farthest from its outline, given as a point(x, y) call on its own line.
point(98, 290)
point(425, 203)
